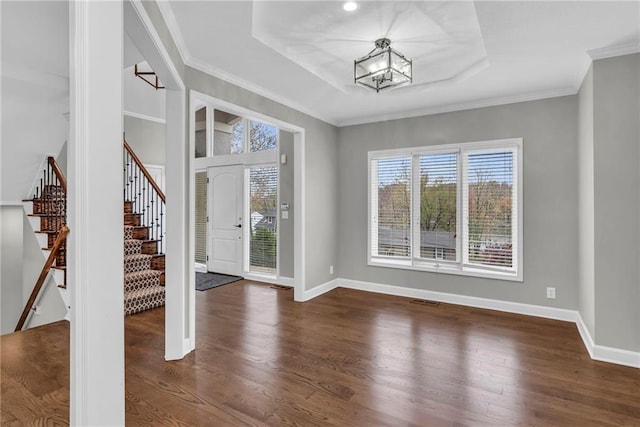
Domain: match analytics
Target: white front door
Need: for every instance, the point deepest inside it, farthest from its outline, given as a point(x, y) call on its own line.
point(225, 220)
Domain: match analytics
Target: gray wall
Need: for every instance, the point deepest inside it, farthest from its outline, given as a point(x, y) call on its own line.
point(550, 141)
point(147, 138)
point(319, 163)
point(586, 223)
point(616, 179)
point(286, 228)
point(10, 267)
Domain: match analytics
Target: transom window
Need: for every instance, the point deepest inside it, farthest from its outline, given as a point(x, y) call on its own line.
point(451, 208)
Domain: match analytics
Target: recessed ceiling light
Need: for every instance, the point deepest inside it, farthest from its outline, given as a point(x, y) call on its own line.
point(350, 6)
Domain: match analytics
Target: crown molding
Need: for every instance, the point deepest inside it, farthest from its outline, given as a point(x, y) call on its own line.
point(144, 117)
point(488, 102)
point(174, 30)
point(258, 90)
point(616, 50)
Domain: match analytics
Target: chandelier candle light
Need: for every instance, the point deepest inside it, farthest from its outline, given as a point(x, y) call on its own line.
point(382, 68)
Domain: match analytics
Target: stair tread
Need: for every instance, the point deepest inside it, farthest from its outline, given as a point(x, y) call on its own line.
point(140, 256)
point(142, 274)
point(59, 267)
point(43, 215)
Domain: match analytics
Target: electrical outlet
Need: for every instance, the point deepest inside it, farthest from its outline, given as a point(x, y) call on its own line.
point(331, 269)
point(551, 293)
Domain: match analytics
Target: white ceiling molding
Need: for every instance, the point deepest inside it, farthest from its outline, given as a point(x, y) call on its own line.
point(174, 29)
point(144, 117)
point(489, 102)
point(258, 90)
point(616, 50)
point(535, 50)
point(176, 34)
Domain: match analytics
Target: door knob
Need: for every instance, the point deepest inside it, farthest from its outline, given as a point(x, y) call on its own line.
point(238, 226)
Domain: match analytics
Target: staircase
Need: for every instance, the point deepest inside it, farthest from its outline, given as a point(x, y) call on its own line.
point(47, 214)
point(144, 205)
point(143, 265)
point(143, 248)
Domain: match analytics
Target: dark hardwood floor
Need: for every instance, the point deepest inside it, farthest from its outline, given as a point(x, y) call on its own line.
point(346, 358)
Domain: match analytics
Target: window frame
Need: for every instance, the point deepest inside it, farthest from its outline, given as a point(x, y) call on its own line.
point(459, 266)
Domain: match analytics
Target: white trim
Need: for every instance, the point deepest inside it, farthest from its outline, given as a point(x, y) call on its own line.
point(138, 7)
point(617, 356)
point(200, 268)
point(299, 223)
point(490, 304)
point(604, 353)
point(616, 50)
point(144, 117)
point(256, 89)
point(482, 103)
point(276, 280)
point(96, 365)
point(319, 290)
point(584, 334)
point(174, 29)
point(180, 251)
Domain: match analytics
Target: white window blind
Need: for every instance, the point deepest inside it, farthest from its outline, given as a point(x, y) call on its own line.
point(450, 208)
point(391, 205)
point(263, 198)
point(489, 216)
point(201, 217)
point(437, 206)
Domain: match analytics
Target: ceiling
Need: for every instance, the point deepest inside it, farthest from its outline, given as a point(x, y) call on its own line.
point(466, 54)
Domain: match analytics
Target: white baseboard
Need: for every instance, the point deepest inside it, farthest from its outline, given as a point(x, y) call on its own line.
point(201, 268)
point(491, 304)
point(309, 294)
point(604, 353)
point(276, 280)
point(596, 352)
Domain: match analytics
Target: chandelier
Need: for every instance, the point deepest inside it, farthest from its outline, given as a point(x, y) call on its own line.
point(382, 68)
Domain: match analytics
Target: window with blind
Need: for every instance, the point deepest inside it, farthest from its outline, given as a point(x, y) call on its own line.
point(452, 209)
point(201, 218)
point(263, 213)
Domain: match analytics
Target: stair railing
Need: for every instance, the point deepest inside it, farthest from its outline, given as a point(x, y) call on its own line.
point(51, 197)
point(60, 239)
point(147, 198)
point(50, 203)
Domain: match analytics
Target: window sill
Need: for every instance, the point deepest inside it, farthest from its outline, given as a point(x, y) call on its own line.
point(445, 269)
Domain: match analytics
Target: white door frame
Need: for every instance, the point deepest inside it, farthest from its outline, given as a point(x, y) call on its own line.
point(197, 99)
